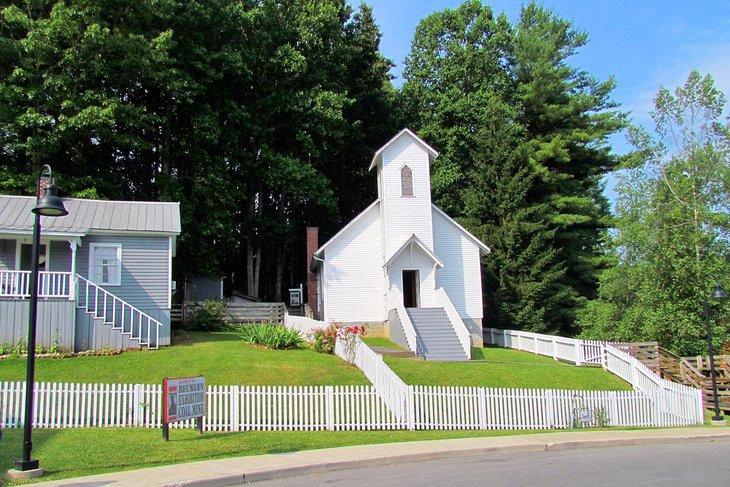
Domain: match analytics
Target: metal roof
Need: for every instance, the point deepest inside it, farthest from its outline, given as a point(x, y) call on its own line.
point(90, 216)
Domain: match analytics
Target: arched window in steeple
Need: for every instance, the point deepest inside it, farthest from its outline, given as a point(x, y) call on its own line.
point(406, 181)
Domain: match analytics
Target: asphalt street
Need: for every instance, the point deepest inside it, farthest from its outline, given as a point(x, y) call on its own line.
point(679, 464)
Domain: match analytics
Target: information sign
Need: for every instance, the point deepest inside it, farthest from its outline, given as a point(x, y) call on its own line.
point(183, 399)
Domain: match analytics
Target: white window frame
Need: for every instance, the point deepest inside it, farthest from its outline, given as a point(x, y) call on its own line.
point(411, 186)
point(117, 281)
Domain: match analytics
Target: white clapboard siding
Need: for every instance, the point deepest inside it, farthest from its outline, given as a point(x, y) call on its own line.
point(353, 274)
point(461, 276)
point(404, 216)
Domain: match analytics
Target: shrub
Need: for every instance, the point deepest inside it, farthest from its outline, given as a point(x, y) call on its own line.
point(323, 339)
point(270, 335)
point(207, 316)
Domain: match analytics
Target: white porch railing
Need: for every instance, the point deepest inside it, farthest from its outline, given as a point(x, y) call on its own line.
point(462, 332)
point(117, 313)
point(395, 301)
point(16, 284)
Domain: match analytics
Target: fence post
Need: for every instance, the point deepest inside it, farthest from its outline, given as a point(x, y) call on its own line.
point(411, 398)
point(235, 409)
point(550, 410)
point(614, 408)
point(579, 352)
point(137, 405)
point(330, 397)
point(659, 407)
point(483, 407)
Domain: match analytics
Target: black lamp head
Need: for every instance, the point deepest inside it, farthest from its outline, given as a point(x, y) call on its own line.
point(50, 204)
point(718, 292)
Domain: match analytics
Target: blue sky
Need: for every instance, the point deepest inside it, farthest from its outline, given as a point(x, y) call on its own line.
point(644, 44)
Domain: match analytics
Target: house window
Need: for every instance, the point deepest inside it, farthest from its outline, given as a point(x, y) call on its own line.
point(105, 264)
point(406, 181)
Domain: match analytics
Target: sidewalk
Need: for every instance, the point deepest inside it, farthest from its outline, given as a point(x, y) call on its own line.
point(235, 471)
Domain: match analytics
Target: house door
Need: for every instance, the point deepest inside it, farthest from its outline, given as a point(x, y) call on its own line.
point(26, 257)
point(410, 289)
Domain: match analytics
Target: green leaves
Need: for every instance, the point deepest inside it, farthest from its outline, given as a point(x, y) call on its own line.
point(672, 227)
point(257, 116)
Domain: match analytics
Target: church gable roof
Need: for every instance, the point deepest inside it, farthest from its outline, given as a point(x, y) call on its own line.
point(378, 157)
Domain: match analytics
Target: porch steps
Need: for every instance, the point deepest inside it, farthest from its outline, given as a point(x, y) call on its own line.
point(437, 339)
point(109, 310)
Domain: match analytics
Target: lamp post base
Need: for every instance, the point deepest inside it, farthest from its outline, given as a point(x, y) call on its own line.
point(718, 421)
point(26, 470)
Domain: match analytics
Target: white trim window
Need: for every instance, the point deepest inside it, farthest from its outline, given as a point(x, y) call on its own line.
point(406, 182)
point(105, 264)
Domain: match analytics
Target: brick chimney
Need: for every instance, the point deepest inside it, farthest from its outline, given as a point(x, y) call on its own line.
point(43, 183)
point(312, 246)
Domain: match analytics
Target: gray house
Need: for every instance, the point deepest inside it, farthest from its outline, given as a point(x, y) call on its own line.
point(105, 273)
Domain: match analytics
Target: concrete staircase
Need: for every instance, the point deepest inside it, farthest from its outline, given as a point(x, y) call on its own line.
point(437, 338)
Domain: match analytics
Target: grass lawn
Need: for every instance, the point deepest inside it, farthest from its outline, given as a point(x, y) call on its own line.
point(68, 453)
point(503, 367)
point(223, 358)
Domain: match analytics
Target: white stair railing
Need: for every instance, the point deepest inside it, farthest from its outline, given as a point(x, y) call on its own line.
point(396, 302)
point(103, 305)
point(395, 393)
point(462, 332)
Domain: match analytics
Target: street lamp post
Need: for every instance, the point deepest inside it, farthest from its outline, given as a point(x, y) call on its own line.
point(49, 204)
point(717, 293)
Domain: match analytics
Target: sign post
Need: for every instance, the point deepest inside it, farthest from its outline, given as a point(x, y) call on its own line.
point(183, 399)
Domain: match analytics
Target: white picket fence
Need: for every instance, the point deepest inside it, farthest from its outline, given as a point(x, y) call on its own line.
point(336, 408)
point(672, 402)
point(229, 408)
point(560, 348)
point(389, 403)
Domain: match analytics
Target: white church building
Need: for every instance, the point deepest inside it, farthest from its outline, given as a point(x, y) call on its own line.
point(403, 262)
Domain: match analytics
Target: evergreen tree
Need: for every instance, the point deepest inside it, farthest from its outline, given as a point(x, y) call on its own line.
point(522, 275)
point(536, 195)
point(568, 118)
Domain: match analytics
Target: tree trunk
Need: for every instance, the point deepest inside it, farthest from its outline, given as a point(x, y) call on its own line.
point(280, 258)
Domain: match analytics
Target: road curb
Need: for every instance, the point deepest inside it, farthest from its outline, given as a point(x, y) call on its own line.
point(537, 446)
point(242, 470)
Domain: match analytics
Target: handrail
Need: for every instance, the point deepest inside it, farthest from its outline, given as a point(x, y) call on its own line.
point(16, 284)
point(105, 306)
point(462, 332)
point(396, 302)
point(395, 393)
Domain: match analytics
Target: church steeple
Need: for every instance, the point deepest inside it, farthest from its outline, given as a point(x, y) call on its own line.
point(404, 188)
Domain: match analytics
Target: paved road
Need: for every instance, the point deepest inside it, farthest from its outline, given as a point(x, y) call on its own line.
point(682, 464)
